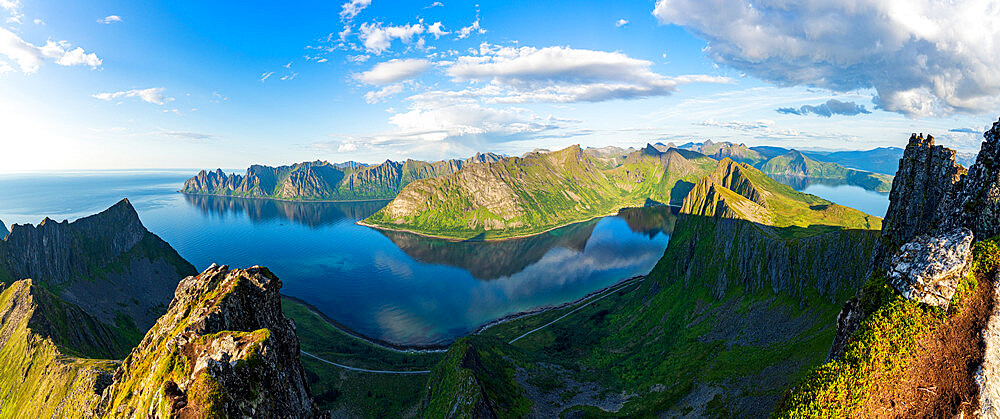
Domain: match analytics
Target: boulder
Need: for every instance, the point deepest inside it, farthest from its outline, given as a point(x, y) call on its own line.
point(928, 268)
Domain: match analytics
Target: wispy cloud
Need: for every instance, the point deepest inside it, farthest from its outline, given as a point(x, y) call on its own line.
point(187, 135)
point(621, 22)
point(152, 95)
point(110, 19)
point(266, 75)
point(827, 109)
point(393, 71)
point(351, 9)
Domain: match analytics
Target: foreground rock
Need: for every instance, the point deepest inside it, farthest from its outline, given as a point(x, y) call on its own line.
point(988, 376)
point(223, 349)
point(928, 269)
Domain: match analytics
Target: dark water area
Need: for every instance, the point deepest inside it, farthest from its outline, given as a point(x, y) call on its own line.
point(393, 286)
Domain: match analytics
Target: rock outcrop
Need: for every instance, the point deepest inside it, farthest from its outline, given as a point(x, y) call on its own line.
point(107, 263)
point(927, 175)
point(223, 349)
point(929, 268)
point(3, 231)
point(976, 203)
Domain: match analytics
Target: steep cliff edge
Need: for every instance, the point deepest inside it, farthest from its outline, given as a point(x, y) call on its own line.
point(108, 264)
point(915, 339)
point(3, 231)
point(223, 349)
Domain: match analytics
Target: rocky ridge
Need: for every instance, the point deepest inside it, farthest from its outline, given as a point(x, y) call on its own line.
point(3, 231)
point(108, 264)
point(223, 349)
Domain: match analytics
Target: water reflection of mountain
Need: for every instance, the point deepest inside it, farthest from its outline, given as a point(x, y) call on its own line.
point(650, 220)
point(312, 214)
point(799, 183)
point(492, 259)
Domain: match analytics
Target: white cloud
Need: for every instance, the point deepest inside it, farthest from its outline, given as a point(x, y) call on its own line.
point(471, 29)
point(266, 75)
point(922, 57)
point(347, 147)
point(152, 95)
point(351, 9)
point(29, 57)
point(376, 96)
point(435, 4)
point(621, 22)
point(563, 74)
point(39, 22)
point(110, 19)
point(437, 30)
point(393, 71)
point(188, 135)
point(5, 68)
point(13, 8)
point(377, 38)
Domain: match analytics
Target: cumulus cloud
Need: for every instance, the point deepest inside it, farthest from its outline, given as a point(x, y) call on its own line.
point(923, 57)
point(377, 38)
point(29, 57)
point(393, 71)
point(152, 95)
point(827, 109)
point(435, 4)
point(621, 22)
point(351, 9)
point(563, 74)
point(437, 30)
point(110, 19)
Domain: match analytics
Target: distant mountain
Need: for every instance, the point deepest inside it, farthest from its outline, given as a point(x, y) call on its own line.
point(879, 160)
point(795, 164)
point(720, 150)
point(321, 180)
point(519, 196)
point(350, 165)
point(108, 264)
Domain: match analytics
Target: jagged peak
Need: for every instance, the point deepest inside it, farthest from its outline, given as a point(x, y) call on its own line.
point(732, 175)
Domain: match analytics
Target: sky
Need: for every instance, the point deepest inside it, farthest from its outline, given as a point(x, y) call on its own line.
point(182, 84)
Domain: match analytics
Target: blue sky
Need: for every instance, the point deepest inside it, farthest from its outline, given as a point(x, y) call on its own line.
point(113, 85)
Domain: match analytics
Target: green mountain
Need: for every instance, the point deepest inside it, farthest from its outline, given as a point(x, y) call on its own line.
point(526, 195)
point(108, 264)
point(320, 180)
point(742, 304)
point(795, 164)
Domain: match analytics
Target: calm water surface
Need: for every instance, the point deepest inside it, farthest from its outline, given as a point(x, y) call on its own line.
point(871, 202)
point(397, 287)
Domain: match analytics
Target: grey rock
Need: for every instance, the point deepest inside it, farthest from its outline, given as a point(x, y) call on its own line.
point(927, 175)
point(928, 268)
point(976, 204)
point(3, 231)
point(988, 375)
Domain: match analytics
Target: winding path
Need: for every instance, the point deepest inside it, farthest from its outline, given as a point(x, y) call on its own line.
point(346, 367)
point(610, 291)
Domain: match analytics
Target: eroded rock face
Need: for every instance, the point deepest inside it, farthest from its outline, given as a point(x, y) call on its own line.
point(927, 174)
point(928, 268)
point(976, 204)
point(223, 349)
point(988, 376)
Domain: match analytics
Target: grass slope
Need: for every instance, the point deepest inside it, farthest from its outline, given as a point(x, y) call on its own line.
point(523, 196)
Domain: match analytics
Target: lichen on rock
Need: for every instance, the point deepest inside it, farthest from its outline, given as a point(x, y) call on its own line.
point(928, 268)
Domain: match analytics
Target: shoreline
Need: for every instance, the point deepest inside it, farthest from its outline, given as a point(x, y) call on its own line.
point(457, 239)
point(483, 327)
point(303, 201)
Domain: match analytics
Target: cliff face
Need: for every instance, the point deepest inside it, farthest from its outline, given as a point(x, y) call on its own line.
point(108, 264)
point(223, 349)
point(976, 202)
point(3, 231)
point(927, 174)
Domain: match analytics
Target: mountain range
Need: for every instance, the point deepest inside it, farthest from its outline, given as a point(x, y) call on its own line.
point(324, 181)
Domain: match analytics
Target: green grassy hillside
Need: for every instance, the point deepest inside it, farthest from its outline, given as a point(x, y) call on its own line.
point(723, 339)
point(796, 164)
point(522, 196)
